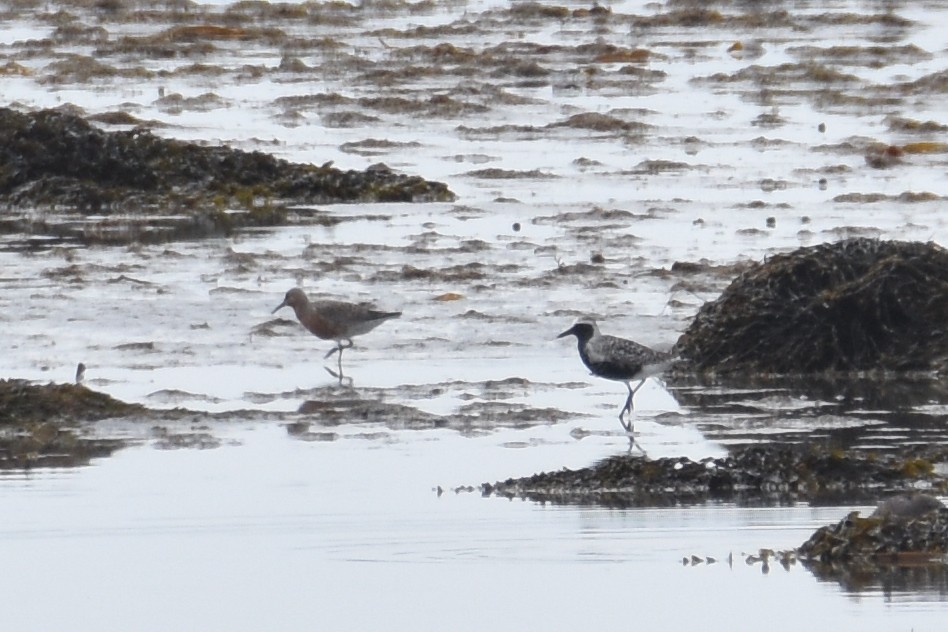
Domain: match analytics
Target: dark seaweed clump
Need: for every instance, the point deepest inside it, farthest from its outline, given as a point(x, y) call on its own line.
point(23, 402)
point(902, 546)
point(54, 159)
point(753, 475)
point(854, 305)
point(35, 424)
point(880, 538)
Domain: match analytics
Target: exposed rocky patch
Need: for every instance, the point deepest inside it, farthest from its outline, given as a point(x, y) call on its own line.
point(906, 530)
point(39, 424)
point(142, 187)
point(22, 402)
point(751, 475)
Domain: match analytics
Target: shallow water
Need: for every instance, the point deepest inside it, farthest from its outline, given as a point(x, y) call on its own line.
point(351, 534)
point(341, 524)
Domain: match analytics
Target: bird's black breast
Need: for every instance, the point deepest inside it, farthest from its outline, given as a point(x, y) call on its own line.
point(616, 358)
point(613, 370)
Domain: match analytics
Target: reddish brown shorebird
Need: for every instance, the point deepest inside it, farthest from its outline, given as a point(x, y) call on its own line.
point(334, 320)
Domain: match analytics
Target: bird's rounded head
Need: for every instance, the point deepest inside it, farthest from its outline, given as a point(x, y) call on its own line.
point(584, 328)
point(294, 298)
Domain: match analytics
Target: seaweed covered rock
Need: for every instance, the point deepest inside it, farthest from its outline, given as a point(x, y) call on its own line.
point(23, 402)
point(753, 474)
point(52, 159)
point(854, 305)
point(35, 420)
point(907, 528)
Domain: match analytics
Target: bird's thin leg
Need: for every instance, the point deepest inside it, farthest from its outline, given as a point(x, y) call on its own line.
point(344, 380)
point(629, 406)
point(636, 390)
point(635, 444)
point(341, 347)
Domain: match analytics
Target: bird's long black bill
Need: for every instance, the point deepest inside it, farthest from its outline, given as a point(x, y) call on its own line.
point(279, 307)
point(568, 332)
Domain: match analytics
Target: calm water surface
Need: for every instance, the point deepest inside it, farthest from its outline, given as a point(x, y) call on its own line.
point(270, 531)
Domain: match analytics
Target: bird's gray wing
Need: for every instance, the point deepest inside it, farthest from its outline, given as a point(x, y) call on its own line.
point(618, 358)
point(340, 311)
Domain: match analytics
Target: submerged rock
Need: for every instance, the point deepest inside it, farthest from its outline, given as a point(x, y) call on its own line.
point(54, 160)
point(906, 528)
point(854, 305)
point(756, 474)
point(49, 445)
point(906, 507)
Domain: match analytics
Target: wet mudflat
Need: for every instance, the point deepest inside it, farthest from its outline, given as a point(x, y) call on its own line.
point(627, 161)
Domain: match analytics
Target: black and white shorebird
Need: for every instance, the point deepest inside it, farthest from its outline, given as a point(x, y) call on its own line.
point(334, 320)
point(617, 359)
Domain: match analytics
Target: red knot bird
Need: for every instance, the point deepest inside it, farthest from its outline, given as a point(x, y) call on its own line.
point(617, 359)
point(334, 320)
